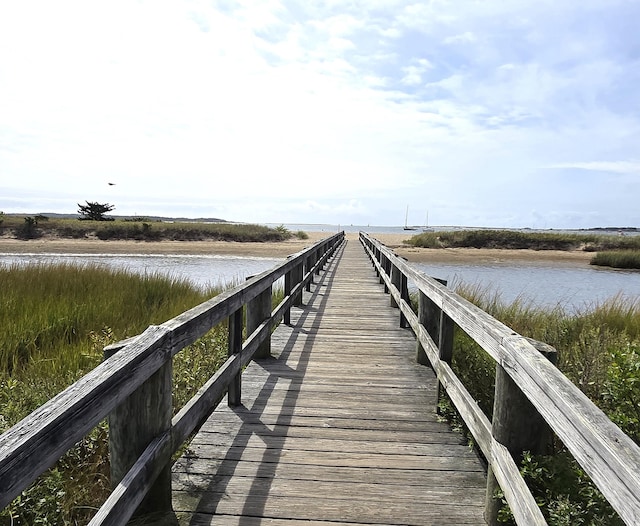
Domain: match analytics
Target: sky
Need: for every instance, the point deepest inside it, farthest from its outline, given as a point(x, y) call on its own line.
point(518, 113)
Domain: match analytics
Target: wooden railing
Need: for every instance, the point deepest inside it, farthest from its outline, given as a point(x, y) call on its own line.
point(133, 387)
point(529, 391)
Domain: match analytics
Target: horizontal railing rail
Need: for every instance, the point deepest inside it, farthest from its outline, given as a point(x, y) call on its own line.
point(133, 378)
point(524, 376)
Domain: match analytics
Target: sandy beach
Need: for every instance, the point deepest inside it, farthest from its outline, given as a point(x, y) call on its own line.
point(286, 248)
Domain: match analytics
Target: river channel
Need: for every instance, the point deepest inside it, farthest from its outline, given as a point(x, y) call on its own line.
point(574, 288)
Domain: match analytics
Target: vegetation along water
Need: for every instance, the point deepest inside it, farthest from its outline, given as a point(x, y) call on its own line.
point(613, 251)
point(139, 229)
point(599, 350)
point(57, 318)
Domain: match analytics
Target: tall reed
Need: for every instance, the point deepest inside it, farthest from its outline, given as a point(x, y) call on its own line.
point(61, 318)
point(515, 239)
point(56, 320)
point(627, 259)
point(49, 311)
point(599, 350)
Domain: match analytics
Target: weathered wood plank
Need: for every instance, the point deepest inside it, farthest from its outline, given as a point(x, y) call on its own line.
point(425, 425)
point(199, 474)
point(609, 457)
point(338, 425)
point(333, 509)
point(35, 443)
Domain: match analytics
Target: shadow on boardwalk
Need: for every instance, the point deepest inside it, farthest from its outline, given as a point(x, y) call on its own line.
point(338, 426)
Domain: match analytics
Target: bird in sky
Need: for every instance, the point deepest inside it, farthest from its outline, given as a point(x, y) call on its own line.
point(111, 184)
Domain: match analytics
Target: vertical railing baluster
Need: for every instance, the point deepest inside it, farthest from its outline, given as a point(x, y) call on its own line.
point(259, 310)
point(143, 416)
point(234, 395)
point(517, 425)
point(287, 290)
point(297, 274)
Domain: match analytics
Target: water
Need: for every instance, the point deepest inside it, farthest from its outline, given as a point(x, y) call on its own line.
point(572, 287)
point(202, 270)
point(377, 229)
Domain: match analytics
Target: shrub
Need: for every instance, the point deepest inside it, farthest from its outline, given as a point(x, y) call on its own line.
point(29, 229)
point(621, 391)
point(599, 350)
point(564, 493)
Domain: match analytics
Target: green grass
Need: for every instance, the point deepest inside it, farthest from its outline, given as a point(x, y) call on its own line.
point(511, 239)
point(47, 308)
point(56, 320)
point(599, 351)
point(33, 227)
point(625, 259)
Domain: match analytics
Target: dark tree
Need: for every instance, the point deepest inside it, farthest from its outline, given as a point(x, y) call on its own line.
point(95, 211)
point(29, 229)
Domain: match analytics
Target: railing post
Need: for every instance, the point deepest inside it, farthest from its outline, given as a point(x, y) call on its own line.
point(440, 328)
point(287, 290)
point(323, 251)
point(258, 310)
point(399, 280)
point(318, 256)
point(143, 416)
point(429, 318)
point(404, 294)
point(385, 270)
point(234, 394)
point(517, 425)
point(308, 265)
point(396, 281)
point(445, 347)
point(291, 279)
point(297, 274)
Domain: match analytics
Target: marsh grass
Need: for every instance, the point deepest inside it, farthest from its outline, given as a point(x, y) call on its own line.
point(62, 317)
point(48, 311)
point(512, 239)
point(149, 230)
point(56, 321)
point(624, 259)
point(599, 351)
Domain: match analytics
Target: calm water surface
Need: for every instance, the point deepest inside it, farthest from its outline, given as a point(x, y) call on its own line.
point(201, 270)
point(574, 288)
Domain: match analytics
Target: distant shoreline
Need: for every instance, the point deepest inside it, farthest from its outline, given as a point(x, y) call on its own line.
point(282, 249)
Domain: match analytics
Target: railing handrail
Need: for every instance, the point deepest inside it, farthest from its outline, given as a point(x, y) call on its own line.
point(35, 443)
point(607, 454)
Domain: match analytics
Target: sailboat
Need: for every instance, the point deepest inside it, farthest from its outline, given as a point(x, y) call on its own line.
point(426, 228)
point(406, 219)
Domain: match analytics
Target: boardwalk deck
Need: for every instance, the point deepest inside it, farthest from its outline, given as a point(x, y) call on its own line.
point(337, 427)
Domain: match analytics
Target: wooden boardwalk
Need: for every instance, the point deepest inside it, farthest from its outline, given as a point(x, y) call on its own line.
point(339, 426)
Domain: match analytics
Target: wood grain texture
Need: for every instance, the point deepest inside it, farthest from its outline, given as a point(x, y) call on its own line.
point(35, 443)
point(338, 426)
point(607, 455)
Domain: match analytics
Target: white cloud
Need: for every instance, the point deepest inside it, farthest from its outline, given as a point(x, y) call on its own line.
point(621, 167)
point(464, 38)
point(346, 112)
